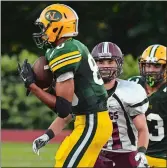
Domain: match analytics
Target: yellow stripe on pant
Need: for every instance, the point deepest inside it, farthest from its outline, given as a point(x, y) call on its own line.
point(84, 144)
point(156, 162)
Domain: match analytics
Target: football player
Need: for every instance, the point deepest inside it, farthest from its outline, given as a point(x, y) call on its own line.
point(127, 104)
point(153, 65)
point(74, 69)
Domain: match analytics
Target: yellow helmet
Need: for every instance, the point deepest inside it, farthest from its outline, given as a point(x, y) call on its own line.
point(156, 55)
point(56, 21)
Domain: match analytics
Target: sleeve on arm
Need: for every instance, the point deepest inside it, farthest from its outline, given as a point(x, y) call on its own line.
point(140, 103)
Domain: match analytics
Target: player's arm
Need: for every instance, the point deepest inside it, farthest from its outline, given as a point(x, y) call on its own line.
point(45, 97)
point(55, 128)
point(143, 139)
point(138, 107)
point(28, 77)
point(61, 103)
point(64, 91)
point(58, 103)
point(143, 134)
point(59, 124)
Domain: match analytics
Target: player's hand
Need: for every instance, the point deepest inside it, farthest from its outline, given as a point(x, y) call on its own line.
point(40, 142)
point(26, 73)
point(141, 158)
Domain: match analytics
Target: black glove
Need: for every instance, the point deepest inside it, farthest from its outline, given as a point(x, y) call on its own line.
point(26, 73)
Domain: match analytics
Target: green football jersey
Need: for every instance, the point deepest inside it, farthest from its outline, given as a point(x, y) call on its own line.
point(73, 56)
point(156, 120)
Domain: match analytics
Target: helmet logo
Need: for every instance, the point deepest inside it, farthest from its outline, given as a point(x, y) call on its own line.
point(53, 15)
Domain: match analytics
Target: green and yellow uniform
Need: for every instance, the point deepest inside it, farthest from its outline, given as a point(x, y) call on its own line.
point(157, 123)
point(82, 147)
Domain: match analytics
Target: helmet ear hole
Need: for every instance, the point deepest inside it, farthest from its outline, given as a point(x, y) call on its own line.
point(55, 30)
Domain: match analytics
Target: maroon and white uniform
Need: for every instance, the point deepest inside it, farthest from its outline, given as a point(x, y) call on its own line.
point(126, 100)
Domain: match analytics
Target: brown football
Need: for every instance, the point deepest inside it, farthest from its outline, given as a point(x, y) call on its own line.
point(44, 76)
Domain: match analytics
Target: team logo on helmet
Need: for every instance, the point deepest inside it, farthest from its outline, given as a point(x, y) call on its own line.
point(53, 15)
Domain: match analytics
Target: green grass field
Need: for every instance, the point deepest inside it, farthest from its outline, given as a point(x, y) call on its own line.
point(21, 155)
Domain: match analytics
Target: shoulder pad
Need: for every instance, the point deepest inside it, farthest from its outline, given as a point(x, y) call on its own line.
point(137, 79)
point(63, 56)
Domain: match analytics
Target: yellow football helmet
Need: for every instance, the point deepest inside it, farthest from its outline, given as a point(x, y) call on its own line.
point(56, 21)
point(157, 56)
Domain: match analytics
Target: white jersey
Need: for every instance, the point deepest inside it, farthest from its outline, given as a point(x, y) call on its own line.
point(128, 100)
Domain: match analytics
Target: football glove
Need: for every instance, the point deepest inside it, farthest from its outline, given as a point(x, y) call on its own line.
point(141, 158)
point(26, 73)
point(40, 142)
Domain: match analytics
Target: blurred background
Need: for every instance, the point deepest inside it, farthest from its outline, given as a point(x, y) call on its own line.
point(131, 25)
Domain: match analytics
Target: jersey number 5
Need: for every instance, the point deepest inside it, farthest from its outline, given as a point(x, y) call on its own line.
point(96, 76)
point(158, 128)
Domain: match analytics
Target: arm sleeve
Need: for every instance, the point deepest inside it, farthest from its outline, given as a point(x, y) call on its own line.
point(65, 76)
point(140, 103)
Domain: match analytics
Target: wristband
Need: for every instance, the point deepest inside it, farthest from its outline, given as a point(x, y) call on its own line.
point(50, 133)
point(142, 149)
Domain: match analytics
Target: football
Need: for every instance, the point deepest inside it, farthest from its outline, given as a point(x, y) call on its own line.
point(44, 76)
